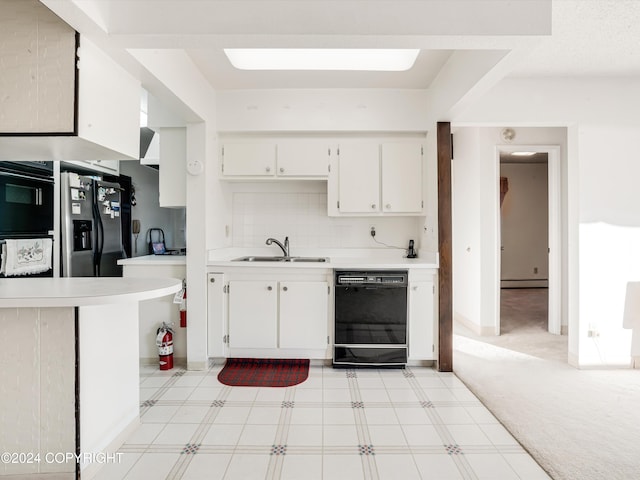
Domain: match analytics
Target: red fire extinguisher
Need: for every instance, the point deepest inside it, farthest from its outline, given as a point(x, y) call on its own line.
point(183, 306)
point(164, 341)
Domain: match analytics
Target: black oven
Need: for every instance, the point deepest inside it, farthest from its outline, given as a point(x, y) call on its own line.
point(26, 199)
point(370, 318)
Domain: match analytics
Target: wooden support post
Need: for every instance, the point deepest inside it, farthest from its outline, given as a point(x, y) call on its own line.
point(445, 272)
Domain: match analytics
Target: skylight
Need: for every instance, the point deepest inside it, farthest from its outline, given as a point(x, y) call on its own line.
point(390, 60)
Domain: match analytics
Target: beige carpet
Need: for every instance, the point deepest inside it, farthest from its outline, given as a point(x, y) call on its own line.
point(578, 424)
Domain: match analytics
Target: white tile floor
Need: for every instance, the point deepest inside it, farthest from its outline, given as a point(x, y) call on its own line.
point(338, 424)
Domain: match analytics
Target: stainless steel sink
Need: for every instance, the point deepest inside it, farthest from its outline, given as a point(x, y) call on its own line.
point(308, 259)
point(255, 258)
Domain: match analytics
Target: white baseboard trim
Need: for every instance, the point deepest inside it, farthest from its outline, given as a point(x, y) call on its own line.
point(197, 366)
point(524, 283)
point(146, 361)
point(40, 476)
point(475, 328)
point(572, 359)
point(92, 469)
point(421, 363)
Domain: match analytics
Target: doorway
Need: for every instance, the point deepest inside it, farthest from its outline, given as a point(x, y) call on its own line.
point(528, 250)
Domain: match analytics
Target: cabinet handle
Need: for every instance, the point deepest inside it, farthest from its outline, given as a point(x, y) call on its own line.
point(269, 288)
point(268, 169)
point(285, 289)
point(388, 206)
point(414, 288)
point(373, 206)
point(212, 280)
point(281, 170)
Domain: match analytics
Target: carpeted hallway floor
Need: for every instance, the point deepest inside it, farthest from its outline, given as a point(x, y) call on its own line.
point(578, 424)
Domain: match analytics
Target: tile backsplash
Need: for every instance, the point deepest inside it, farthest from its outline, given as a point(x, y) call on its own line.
point(302, 216)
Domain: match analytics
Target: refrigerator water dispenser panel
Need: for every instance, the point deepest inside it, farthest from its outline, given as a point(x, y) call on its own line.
point(82, 235)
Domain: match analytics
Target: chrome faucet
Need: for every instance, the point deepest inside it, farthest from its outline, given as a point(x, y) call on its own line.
point(285, 247)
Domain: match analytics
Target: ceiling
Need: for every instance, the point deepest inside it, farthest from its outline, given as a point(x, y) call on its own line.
point(203, 28)
point(222, 75)
point(538, 38)
point(590, 38)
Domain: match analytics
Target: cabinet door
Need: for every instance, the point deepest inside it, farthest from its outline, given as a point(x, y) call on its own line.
point(421, 302)
point(359, 178)
point(173, 161)
point(107, 166)
point(303, 159)
point(216, 318)
point(253, 309)
point(249, 159)
point(401, 178)
point(38, 52)
point(304, 314)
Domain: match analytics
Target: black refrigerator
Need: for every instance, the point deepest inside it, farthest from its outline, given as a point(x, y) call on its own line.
point(91, 230)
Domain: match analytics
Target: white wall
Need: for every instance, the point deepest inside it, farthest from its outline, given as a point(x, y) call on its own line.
point(337, 115)
point(309, 110)
point(206, 209)
point(476, 219)
point(602, 220)
point(525, 225)
point(465, 172)
point(299, 210)
point(148, 210)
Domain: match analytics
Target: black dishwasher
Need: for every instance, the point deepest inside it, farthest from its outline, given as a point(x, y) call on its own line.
point(370, 318)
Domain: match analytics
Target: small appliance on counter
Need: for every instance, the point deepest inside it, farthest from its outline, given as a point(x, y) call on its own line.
point(411, 252)
point(157, 244)
point(91, 230)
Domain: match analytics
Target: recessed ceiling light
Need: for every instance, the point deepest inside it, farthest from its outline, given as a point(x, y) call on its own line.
point(522, 154)
point(396, 60)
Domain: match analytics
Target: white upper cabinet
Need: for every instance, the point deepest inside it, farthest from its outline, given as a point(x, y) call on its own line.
point(249, 159)
point(61, 107)
point(359, 178)
point(401, 178)
point(173, 161)
point(299, 159)
point(303, 159)
point(376, 179)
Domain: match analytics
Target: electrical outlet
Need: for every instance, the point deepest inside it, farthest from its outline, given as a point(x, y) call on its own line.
point(373, 231)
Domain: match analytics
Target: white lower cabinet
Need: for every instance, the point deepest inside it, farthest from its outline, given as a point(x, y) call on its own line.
point(273, 314)
point(421, 318)
point(216, 316)
point(253, 314)
point(304, 308)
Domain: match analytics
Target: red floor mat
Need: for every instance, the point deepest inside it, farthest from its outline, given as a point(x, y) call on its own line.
point(263, 372)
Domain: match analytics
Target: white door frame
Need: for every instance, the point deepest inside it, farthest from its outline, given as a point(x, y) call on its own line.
point(555, 232)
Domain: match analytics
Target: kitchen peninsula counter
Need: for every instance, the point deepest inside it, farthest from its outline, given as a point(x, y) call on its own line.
point(70, 376)
point(81, 291)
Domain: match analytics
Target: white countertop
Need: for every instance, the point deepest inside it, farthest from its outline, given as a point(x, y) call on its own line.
point(361, 259)
point(82, 291)
point(154, 260)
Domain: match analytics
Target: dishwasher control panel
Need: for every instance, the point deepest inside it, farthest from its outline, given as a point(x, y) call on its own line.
point(371, 278)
